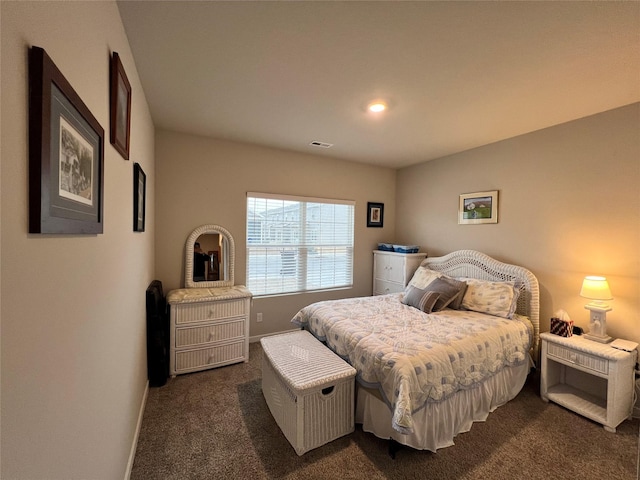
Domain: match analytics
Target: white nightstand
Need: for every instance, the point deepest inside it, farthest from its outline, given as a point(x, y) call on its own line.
point(590, 378)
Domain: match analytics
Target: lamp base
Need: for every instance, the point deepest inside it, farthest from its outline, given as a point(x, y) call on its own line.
point(598, 338)
point(598, 323)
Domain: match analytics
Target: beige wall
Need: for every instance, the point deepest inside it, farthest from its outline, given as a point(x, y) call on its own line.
point(73, 308)
point(569, 207)
point(200, 181)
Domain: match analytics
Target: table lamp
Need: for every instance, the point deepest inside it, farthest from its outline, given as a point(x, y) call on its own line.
point(597, 290)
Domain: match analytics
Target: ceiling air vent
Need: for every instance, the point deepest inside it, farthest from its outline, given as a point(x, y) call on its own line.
point(321, 144)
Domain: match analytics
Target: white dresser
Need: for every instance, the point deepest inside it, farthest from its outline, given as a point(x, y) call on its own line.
point(392, 271)
point(209, 327)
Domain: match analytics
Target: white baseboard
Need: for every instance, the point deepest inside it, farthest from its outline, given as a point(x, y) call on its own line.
point(257, 338)
point(134, 446)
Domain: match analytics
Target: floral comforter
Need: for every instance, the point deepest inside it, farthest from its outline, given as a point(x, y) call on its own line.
point(412, 357)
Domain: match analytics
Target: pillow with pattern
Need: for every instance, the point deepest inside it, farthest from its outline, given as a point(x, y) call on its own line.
point(495, 298)
point(423, 276)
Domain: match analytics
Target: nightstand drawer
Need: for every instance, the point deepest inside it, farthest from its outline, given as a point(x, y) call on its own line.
point(576, 357)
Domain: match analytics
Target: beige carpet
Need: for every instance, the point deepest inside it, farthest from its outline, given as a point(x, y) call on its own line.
point(216, 425)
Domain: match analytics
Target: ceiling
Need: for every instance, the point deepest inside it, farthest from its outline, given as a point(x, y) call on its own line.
point(456, 75)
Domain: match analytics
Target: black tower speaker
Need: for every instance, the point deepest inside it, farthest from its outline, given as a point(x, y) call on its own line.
point(157, 335)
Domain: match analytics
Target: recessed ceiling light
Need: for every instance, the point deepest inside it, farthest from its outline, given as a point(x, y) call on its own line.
point(377, 107)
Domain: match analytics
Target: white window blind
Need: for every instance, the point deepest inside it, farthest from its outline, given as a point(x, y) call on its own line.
point(298, 244)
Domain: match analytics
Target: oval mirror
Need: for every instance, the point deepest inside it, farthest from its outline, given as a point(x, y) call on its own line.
point(209, 258)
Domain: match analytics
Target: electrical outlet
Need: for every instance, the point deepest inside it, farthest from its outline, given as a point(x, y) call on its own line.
point(259, 317)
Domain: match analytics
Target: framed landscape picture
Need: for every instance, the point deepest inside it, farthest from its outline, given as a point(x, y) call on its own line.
point(478, 207)
point(66, 154)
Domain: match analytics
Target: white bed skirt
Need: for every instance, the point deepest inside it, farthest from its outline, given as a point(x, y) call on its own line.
point(437, 424)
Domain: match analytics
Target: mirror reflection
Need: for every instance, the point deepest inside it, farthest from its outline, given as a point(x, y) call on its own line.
point(209, 258)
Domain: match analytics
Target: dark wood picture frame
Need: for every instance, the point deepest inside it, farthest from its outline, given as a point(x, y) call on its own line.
point(66, 154)
point(139, 198)
point(375, 214)
point(120, 107)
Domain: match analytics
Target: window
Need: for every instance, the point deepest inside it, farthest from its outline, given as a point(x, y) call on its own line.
point(298, 244)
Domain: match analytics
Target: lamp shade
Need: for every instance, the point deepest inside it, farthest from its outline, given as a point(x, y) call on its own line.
point(596, 288)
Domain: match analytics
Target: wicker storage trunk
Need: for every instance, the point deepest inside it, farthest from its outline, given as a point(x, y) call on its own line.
point(308, 388)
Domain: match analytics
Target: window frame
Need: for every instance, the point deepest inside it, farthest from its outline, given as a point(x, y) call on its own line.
point(322, 259)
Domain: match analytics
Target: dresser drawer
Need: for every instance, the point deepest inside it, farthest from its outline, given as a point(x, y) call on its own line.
point(224, 330)
point(210, 356)
point(206, 311)
point(576, 357)
point(382, 287)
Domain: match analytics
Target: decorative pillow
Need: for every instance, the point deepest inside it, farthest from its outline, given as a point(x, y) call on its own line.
point(448, 288)
point(421, 299)
point(495, 298)
point(456, 303)
point(423, 277)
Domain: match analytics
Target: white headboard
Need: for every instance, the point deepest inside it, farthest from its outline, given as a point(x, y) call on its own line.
point(473, 264)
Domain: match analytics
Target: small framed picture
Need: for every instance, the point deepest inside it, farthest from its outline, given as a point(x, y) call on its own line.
point(478, 207)
point(139, 198)
point(66, 154)
point(120, 103)
point(375, 214)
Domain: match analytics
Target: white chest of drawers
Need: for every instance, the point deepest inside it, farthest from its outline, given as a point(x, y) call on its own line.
point(589, 378)
point(209, 328)
point(392, 271)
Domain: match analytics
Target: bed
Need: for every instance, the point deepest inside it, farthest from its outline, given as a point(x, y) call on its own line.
point(431, 361)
